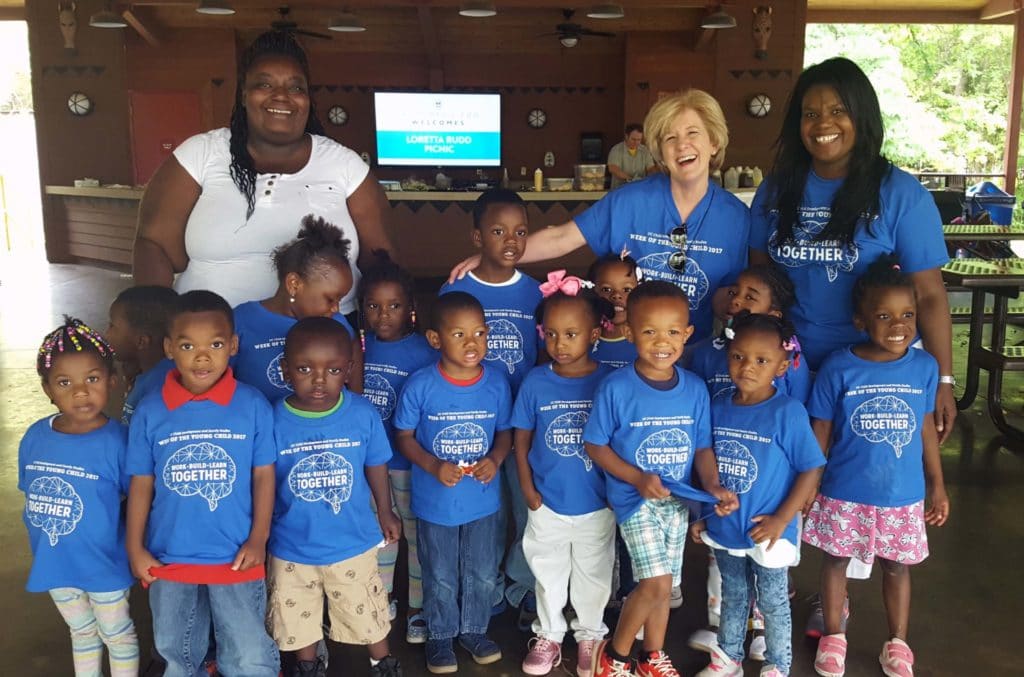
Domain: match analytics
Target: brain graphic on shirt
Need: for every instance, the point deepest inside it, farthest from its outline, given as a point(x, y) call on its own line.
point(564, 436)
point(53, 506)
point(460, 442)
point(737, 468)
point(885, 419)
point(323, 477)
point(665, 452)
point(200, 469)
point(276, 375)
point(377, 389)
point(804, 251)
point(692, 280)
point(504, 344)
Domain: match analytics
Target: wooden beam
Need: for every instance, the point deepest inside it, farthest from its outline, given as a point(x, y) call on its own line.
point(867, 16)
point(12, 13)
point(1012, 147)
point(999, 8)
point(135, 22)
point(704, 38)
point(431, 47)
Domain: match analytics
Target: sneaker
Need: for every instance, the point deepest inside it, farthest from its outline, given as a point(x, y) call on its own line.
point(543, 656)
point(721, 666)
point(416, 629)
point(386, 667)
point(830, 661)
point(705, 639)
point(816, 621)
point(585, 657)
point(441, 658)
point(771, 671)
point(393, 609)
point(481, 648)
point(606, 666)
point(897, 659)
point(676, 600)
point(527, 612)
point(309, 669)
point(656, 664)
point(758, 645)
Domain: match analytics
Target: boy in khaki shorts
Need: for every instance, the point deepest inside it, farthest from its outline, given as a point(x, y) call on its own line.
point(332, 454)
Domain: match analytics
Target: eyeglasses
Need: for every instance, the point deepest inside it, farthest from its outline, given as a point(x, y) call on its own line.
point(677, 261)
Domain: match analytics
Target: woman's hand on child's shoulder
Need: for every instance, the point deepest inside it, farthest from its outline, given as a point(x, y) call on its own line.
point(141, 562)
point(650, 486)
point(768, 528)
point(696, 529)
point(938, 510)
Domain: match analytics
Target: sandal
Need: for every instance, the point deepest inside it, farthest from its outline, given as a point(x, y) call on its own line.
point(830, 661)
point(897, 659)
point(416, 629)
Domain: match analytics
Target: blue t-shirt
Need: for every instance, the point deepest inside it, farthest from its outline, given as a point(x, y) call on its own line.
point(323, 513)
point(145, 383)
point(386, 366)
point(556, 408)
point(512, 339)
point(760, 450)
point(658, 431)
point(201, 456)
point(454, 423)
point(615, 352)
point(640, 215)
point(73, 486)
point(877, 409)
point(261, 347)
point(709, 359)
point(824, 273)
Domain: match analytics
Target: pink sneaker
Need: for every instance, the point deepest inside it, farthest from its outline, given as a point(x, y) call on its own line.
point(721, 666)
point(771, 671)
point(585, 657)
point(544, 655)
point(830, 661)
point(897, 659)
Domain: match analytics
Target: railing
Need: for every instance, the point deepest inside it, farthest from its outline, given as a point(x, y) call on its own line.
point(956, 180)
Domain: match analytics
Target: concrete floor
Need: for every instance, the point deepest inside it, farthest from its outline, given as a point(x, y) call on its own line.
point(967, 598)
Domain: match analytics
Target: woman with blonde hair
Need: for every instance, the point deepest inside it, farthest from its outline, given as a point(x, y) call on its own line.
point(678, 225)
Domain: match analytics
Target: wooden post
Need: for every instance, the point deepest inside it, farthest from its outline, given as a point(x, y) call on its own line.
point(1012, 147)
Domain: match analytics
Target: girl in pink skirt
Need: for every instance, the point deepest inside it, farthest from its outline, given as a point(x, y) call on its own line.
point(871, 410)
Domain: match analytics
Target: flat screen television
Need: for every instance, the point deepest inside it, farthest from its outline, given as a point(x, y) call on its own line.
point(438, 129)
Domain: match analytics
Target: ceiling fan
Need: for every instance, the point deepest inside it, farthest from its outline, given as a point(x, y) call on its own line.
point(569, 33)
point(288, 26)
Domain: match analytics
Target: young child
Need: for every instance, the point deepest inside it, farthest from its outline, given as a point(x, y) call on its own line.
point(314, 274)
point(509, 299)
point(570, 532)
point(614, 277)
point(136, 330)
point(649, 427)
point(71, 470)
point(452, 423)
point(393, 350)
point(758, 289)
point(201, 456)
point(332, 455)
point(767, 454)
point(871, 410)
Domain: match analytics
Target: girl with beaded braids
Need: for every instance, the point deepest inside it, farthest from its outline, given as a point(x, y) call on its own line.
point(218, 206)
point(71, 470)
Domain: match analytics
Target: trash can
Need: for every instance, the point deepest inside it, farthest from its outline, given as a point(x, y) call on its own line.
point(986, 195)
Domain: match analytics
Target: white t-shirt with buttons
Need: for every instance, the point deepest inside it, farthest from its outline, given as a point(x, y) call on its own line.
point(231, 255)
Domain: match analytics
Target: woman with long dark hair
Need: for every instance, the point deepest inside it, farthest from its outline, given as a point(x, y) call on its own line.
point(833, 204)
point(225, 199)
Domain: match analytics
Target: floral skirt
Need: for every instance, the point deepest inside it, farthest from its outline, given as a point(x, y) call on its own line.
point(855, 530)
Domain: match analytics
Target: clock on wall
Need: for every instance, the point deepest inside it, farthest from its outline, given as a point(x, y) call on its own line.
point(337, 115)
point(79, 103)
point(536, 118)
point(759, 105)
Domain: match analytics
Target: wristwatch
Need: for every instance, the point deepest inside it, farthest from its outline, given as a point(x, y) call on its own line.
point(951, 380)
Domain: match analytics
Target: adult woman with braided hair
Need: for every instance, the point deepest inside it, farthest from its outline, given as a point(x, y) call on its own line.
point(225, 199)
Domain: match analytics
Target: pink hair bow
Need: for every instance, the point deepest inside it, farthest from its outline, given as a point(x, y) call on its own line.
point(558, 281)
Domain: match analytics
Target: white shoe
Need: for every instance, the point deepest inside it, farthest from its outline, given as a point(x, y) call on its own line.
point(676, 600)
point(758, 645)
point(705, 639)
point(721, 666)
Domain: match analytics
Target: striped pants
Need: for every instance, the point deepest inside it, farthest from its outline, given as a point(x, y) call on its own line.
point(95, 619)
point(401, 486)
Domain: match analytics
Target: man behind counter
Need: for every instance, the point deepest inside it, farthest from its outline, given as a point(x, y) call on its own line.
point(629, 160)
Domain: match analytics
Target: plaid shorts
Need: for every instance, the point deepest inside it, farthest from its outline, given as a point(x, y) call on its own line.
point(655, 535)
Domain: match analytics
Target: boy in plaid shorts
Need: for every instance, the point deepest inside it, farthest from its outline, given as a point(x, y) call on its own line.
point(649, 426)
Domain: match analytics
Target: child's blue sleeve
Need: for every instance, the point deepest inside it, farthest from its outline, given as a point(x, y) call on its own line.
point(822, 402)
point(702, 420)
point(524, 412)
point(123, 478)
point(264, 450)
point(503, 418)
point(601, 424)
point(22, 452)
point(798, 381)
point(378, 448)
point(407, 413)
point(139, 456)
point(798, 441)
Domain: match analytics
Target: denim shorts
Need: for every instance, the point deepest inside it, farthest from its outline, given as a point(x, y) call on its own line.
point(655, 535)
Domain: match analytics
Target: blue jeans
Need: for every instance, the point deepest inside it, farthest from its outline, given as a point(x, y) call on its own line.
point(459, 567)
point(181, 620)
point(740, 577)
point(520, 578)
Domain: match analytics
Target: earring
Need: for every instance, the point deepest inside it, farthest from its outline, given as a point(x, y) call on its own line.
point(291, 299)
